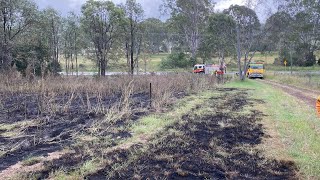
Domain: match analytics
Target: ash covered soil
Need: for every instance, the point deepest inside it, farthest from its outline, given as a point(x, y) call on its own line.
point(35, 132)
point(221, 142)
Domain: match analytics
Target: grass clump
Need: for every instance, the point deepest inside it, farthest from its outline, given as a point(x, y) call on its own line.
point(31, 161)
point(83, 170)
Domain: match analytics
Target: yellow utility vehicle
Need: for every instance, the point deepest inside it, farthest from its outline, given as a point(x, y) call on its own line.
point(255, 70)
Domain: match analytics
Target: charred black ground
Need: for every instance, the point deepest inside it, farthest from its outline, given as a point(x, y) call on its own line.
point(219, 144)
point(52, 132)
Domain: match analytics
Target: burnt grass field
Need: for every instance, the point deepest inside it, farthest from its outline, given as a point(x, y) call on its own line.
point(219, 144)
point(217, 139)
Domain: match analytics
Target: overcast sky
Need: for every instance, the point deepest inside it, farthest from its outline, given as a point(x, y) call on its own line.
point(151, 7)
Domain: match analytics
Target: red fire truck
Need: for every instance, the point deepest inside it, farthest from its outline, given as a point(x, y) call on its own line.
point(209, 69)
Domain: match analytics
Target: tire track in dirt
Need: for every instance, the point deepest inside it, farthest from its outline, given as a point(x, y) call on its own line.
point(306, 95)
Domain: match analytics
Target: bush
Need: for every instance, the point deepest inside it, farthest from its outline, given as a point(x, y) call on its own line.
point(301, 55)
point(176, 60)
point(54, 67)
point(82, 66)
point(310, 59)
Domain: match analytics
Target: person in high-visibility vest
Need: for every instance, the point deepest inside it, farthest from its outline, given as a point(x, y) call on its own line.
point(318, 106)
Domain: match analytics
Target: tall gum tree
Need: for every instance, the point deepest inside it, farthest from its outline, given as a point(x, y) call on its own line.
point(133, 33)
point(72, 41)
point(248, 32)
point(279, 37)
point(190, 17)
point(155, 35)
point(52, 21)
point(37, 48)
point(220, 37)
point(16, 16)
point(306, 28)
point(102, 21)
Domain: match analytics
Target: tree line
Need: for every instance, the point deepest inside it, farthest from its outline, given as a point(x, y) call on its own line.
point(36, 41)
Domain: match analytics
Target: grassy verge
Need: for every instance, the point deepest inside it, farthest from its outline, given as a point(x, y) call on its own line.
point(300, 80)
point(295, 123)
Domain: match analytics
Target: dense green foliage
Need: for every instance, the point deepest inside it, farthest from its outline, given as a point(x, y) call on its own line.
point(176, 60)
point(294, 32)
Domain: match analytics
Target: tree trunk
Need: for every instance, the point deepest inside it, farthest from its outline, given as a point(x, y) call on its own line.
point(76, 52)
point(77, 67)
point(67, 66)
point(131, 60)
point(71, 63)
point(145, 63)
point(6, 56)
point(245, 66)
point(128, 56)
point(193, 57)
point(103, 67)
point(238, 48)
point(132, 47)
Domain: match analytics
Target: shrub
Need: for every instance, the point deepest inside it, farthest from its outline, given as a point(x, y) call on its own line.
point(301, 55)
point(54, 67)
point(82, 66)
point(176, 60)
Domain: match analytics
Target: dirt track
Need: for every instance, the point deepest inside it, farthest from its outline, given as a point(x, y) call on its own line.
point(306, 95)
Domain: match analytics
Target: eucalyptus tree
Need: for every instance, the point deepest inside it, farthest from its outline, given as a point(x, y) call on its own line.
point(248, 34)
point(102, 21)
point(16, 16)
point(306, 28)
point(133, 33)
point(175, 39)
point(155, 34)
point(37, 49)
point(72, 41)
point(280, 33)
point(190, 16)
point(220, 37)
point(52, 26)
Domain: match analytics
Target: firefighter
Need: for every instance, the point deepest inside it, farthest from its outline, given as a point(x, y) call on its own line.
point(318, 106)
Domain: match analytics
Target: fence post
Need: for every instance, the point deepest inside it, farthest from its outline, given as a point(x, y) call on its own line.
point(150, 95)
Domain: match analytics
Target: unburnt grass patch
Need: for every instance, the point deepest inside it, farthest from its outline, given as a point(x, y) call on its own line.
point(219, 143)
